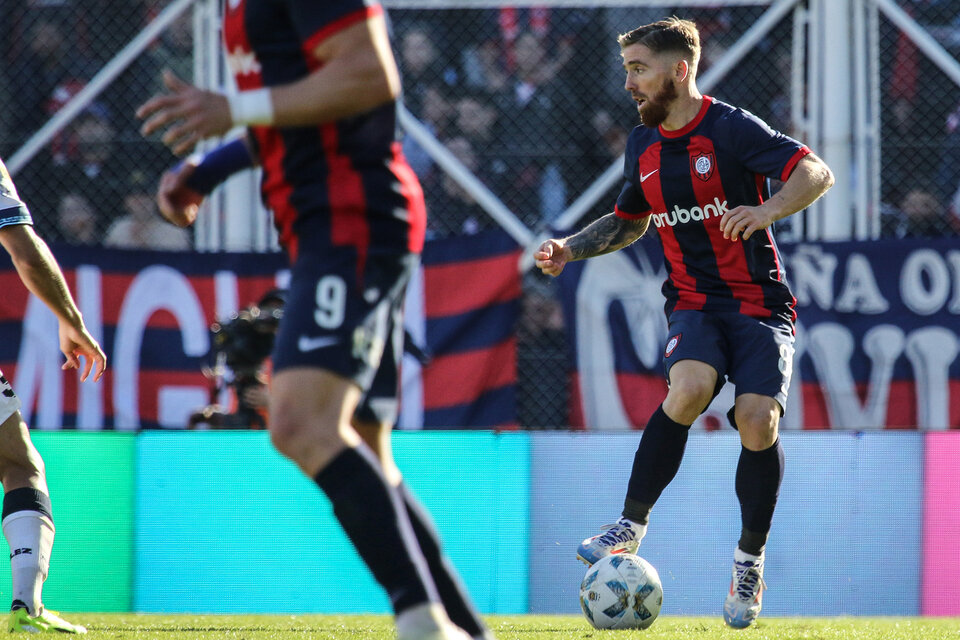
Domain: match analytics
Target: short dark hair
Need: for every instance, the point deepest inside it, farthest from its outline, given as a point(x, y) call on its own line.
point(669, 34)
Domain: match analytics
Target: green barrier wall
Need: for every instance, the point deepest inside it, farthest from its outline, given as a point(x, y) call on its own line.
point(225, 524)
point(91, 480)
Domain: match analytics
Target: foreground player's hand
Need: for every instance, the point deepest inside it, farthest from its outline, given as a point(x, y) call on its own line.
point(188, 114)
point(177, 202)
point(741, 222)
point(76, 342)
point(551, 257)
point(257, 396)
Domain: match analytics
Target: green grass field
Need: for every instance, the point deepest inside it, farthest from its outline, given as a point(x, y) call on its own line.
point(303, 627)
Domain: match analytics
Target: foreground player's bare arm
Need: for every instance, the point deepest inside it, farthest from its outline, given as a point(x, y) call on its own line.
point(183, 188)
point(357, 73)
point(42, 276)
point(605, 235)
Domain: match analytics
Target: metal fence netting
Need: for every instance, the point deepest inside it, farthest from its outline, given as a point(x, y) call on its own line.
point(529, 99)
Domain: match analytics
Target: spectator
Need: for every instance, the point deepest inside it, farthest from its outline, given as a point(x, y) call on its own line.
point(948, 173)
point(920, 216)
point(451, 210)
point(477, 119)
point(94, 168)
point(76, 221)
point(498, 56)
point(613, 135)
point(422, 67)
point(541, 346)
point(141, 226)
point(44, 68)
point(436, 112)
point(536, 128)
point(475, 116)
point(911, 135)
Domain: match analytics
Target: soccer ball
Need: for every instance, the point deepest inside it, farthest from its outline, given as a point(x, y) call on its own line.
point(621, 591)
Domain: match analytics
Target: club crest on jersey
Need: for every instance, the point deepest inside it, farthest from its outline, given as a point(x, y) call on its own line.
point(672, 344)
point(243, 63)
point(702, 165)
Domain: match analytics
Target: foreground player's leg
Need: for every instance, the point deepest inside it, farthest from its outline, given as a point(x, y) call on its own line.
point(759, 475)
point(657, 459)
point(28, 528)
point(452, 593)
point(314, 431)
point(27, 524)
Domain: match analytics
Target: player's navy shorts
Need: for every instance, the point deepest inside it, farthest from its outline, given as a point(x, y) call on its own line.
point(349, 324)
point(755, 355)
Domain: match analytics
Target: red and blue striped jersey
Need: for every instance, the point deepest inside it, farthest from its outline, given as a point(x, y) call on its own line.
point(343, 183)
point(685, 180)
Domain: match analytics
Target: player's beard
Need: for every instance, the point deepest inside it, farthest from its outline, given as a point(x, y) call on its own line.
point(653, 111)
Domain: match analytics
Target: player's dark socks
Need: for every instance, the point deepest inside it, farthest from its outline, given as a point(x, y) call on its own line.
point(374, 518)
point(655, 464)
point(759, 474)
point(453, 595)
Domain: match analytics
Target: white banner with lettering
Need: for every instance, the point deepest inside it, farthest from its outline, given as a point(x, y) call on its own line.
point(878, 336)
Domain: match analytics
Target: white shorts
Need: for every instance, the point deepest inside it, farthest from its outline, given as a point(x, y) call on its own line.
point(9, 402)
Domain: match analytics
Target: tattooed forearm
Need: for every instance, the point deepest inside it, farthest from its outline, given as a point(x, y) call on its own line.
point(605, 235)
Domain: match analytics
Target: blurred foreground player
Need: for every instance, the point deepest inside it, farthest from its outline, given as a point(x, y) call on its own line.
point(318, 85)
point(27, 515)
point(696, 168)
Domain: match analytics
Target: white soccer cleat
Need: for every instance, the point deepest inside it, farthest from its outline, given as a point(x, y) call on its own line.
point(449, 632)
point(428, 621)
point(745, 599)
point(622, 537)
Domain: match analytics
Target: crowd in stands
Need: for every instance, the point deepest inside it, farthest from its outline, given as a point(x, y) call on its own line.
point(93, 184)
point(920, 118)
point(528, 98)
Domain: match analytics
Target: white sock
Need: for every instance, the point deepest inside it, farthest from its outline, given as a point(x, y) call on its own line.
point(30, 536)
point(742, 556)
point(639, 530)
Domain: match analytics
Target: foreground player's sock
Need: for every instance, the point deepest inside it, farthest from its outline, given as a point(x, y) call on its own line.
point(28, 527)
point(453, 595)
point(655, 464)
point(759, 474)
point(375, 520)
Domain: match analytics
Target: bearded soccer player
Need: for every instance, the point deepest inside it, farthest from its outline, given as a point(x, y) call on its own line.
point(27, 514)
point(696, 168)
point(318, 85)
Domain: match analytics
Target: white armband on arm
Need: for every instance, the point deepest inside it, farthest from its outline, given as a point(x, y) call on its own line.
point(251, 107)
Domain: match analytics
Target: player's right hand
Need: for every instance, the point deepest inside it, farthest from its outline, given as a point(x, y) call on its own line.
point(551, 257)
point(186, 114)
point(76, 342)
point(177, 202)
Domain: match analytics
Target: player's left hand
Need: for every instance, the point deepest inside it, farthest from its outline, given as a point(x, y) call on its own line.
point(188, 114)
point(76, 341)
point(178, 203)
point(742, 221)
point(257, 396)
